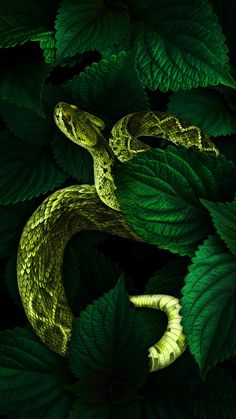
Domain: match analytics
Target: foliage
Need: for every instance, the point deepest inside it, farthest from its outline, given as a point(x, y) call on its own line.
point(112, 58)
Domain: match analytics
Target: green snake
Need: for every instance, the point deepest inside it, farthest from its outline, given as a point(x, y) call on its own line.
point(94, 207)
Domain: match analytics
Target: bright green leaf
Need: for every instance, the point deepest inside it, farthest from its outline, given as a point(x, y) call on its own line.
point(26, 170)
point(223, 215)
point(32, 378)
point(88, 25)
point(22, 72)
point(110, 87)
point(108, 340)
point(159, 194)
point(209, 304)
point(205, 109)
point(182, 46)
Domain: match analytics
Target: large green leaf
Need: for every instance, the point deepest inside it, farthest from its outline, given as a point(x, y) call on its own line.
point(159, 194)
point(181, 46)
point(209, 304)
point(26, 170)
point(21, 21)
point(206, 109)
point(110, 87)
point(178, 392)
point(89, 25)
point(108, 345)
point(22, 73)
point(32, 378)
point(223, 215)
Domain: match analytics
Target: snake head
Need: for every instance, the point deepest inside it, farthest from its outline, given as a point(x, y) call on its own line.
point(79, 126)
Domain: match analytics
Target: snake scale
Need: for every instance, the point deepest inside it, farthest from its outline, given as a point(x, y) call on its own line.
point(94, 207)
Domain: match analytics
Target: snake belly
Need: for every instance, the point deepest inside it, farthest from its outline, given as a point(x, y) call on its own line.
point(80, 207)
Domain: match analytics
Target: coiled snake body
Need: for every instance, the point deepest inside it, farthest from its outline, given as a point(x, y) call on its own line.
point(87, 207)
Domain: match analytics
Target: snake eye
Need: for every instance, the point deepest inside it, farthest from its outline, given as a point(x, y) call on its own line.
point(66, 118)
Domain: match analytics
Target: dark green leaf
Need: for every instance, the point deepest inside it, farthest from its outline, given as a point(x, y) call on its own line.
point(206, 109)
point(182, 46)
point(107, 340)
point(209, 304)
point(85, 410)
point(88, 25)
point(32, 378)
point(159, 194)
point(223, 215)
point(110, 87)
point(26, 170)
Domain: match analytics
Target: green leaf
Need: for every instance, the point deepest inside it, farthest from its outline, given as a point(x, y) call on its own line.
point(182, 46)
point(25, 124)
point(170, 279)
point(136, 6)
point(32, 378)
point(74, 160)
point(159, 194)
point(88, 274)
point(107, 341)
point(223, 215)
point(205, 109)
point(110, 87)
point(21, 21)
point(177, 392)
point(85, 410)
point(22, 72)
point(26, 170)
point(12, 220)
point(88, 25)
point(208, 304)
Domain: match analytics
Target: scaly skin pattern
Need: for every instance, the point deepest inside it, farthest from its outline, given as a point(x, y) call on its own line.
point(85, 207)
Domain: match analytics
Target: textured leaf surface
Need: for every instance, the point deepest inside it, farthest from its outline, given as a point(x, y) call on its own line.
point(182, 46)
point(178, 392)
point(159, 194)
point(223, 215)
point(22, 72)
point(20, 21)
point(88, 25)
point(107, 345)
point(110, 87)
point(26, 170)
point(209, 304)
point(12, 220)
point(205, 109)
point(32, 378)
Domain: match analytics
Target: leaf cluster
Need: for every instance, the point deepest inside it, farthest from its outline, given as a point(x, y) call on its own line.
point(112, 58)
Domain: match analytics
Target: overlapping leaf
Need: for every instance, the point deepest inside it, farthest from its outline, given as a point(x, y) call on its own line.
point(159, 193)
point(181, 46)
point(32, 378)
point(26, 170)
point(206, 109)
point(108, 345)
point(86, 410)
point(223, 215)
point(209, 304)
point(21, 21)
point(178, 392)
point(110, 87)
point(89, 25)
